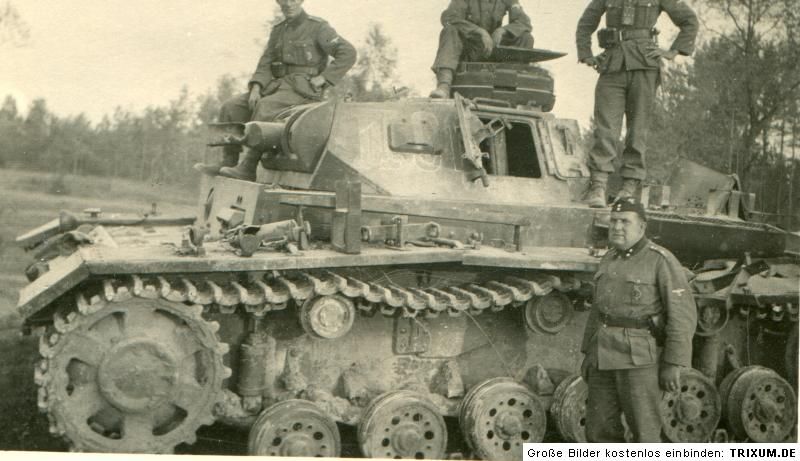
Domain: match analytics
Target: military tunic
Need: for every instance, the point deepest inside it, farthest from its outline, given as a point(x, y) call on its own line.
point(634, 285)
point(464, 18)
point(628, 78)
point(298, 49)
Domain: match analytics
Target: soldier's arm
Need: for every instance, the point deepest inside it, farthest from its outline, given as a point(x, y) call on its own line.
point(518, 21)
point(456, 15)
point(681, 313)
point(589, 330)
point(685, 18)
point(263, 73)
point(343, 53)
point(587, 24)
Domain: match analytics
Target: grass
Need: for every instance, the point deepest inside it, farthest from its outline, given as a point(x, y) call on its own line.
point(29, 199)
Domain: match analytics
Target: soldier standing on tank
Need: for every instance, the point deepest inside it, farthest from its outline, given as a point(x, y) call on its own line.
point(641, 300)
point(293, 70)
point(472, 28)
point(629, 75)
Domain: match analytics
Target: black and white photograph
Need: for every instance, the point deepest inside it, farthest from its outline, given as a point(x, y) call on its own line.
point(428, 229)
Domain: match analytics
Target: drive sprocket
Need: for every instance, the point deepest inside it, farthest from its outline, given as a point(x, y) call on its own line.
point(130, 375)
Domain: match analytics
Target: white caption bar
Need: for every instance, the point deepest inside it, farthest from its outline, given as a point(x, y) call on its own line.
point(659, 451)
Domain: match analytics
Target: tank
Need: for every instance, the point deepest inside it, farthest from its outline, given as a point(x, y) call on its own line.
point(419, 270)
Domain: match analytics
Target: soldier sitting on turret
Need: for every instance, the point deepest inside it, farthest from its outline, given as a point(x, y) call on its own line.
point(472, 29)
point(293, 70)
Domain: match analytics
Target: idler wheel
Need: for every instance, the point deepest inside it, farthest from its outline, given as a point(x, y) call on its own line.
point(759, 405)
point(327, 317)
point(498, 416)
point(712, 316)
point(296, 428)
point(138, 376)
point(402, 424)
point(548, 314)
point(569, 408)
point(691, 414)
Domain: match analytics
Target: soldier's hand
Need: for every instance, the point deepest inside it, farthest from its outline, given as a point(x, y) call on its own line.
point(488, 43)
point(593, 61)
point(255, 96)
point(317, 82)
point(669, 377)
point(497, 36)
point(655, 52)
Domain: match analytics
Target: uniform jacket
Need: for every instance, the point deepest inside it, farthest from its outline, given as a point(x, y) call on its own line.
point(470, 15)
point(645, 280)
point(631, 54)
point(305, 41)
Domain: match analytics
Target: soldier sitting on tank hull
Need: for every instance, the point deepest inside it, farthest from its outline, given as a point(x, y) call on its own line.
point(293, 70)
point(472, 28)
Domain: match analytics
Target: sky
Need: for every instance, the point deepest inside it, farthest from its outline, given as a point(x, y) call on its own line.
point(90, 56)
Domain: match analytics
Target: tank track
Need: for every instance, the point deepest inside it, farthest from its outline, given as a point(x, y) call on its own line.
point(261, 294)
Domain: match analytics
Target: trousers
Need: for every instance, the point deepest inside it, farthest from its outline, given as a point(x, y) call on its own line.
point(633, 392)
point(628, 93)
point(454, 48)
point(237, 109)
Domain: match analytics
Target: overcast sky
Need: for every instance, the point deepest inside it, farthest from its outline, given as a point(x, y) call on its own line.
point(93, 55)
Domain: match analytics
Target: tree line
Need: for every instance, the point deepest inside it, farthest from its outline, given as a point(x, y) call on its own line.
point(734, 107)
point(162, 142)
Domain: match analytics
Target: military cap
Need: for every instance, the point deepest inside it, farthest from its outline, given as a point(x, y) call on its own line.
point(629, 204)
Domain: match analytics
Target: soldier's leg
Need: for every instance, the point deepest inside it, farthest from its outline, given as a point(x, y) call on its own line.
point(266, 110)
point(609, 108)
point(270, 106)
point(603, 409)
point(638, 112)
point(450, 48)
point(523, 41)
point(234, 110)
point(640, 385)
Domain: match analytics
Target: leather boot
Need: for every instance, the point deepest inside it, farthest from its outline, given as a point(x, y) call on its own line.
point(230, 157)
point(246, 169)
point(595, 196)
point(629, 188)
point(444, 77)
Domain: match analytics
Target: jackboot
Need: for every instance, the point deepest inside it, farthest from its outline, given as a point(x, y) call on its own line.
point(595, 196)
point(246, 169)
point(444, 78)
point(230, 157)
point(629, 188)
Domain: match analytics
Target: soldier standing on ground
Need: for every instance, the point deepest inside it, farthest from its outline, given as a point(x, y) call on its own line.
point(629, 76)
point(472, 29)
point(293, 70)
point(641, 292)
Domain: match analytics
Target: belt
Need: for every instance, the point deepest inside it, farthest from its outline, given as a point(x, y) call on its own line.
point(309, 70)
point(633, 34)
point(624, 322)
point(621, 35)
